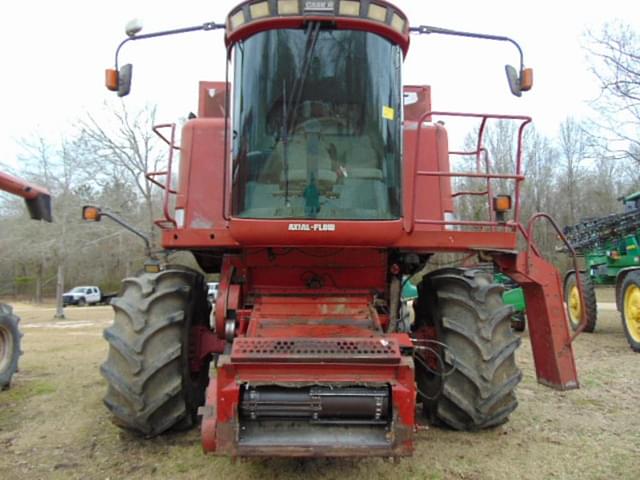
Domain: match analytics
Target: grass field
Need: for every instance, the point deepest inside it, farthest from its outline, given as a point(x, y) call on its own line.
point(53, 423)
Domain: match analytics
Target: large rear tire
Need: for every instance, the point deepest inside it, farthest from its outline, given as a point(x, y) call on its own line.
point(466, 381)
point(10, 337)
point(150, 386)
point(574, 305)
point(631, 309)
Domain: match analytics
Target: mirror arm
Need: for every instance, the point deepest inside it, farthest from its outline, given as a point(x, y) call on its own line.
point(129, 227)
point(204, 27)
point(426, 30)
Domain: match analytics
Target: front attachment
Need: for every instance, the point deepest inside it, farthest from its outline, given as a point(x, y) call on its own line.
point(311, 397)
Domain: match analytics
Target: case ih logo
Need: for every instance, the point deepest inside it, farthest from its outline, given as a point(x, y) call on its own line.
point(312, 227)
point(316, 6)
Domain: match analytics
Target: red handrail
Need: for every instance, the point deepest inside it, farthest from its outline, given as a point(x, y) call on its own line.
point(151, 176)
point(480, 150)
point(477, 154)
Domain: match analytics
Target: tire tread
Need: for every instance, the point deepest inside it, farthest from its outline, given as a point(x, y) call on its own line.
point(475, 325)
point(145, 365)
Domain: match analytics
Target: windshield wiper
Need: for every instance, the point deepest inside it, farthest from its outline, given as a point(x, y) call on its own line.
point(312, 33)
point(313, 30)
point(285, 143)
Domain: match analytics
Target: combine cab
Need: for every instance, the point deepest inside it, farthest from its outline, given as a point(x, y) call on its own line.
point(39, 205)
point(313, 186)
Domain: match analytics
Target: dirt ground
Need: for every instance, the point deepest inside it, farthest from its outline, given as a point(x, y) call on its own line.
point(53, 423)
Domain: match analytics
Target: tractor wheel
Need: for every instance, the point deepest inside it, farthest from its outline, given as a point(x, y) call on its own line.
point(574, 306)
point(631, 309)
point(467, 375)
point(9, 345)
point(151, 388)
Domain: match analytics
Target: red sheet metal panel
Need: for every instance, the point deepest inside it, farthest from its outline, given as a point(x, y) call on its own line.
point(546, 318)
point(425, 197)
point(202, 156)
point(301, 314)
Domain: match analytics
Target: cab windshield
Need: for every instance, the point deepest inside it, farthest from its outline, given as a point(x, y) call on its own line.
point(317, 125)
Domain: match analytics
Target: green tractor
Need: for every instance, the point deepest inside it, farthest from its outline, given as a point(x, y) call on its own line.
point(610, 246)
point(514, 296)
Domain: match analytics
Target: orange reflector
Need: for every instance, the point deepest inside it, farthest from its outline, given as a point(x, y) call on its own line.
point(526, 80)
point(91, 214)
point(502, 203)
point(111, 79)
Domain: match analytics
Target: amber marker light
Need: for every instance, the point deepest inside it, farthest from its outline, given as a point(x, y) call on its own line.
point(111, 79)
point(502, 203)
point(91, 214)
point(526, 79)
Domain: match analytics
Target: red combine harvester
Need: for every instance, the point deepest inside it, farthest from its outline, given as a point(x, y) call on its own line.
point(39, 205)
point(313, 187)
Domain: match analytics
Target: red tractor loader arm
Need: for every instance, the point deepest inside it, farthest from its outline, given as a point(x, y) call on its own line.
point(37, 198)
point(39, 205)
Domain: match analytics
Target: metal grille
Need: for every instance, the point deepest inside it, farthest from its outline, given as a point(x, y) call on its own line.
point(378, 350)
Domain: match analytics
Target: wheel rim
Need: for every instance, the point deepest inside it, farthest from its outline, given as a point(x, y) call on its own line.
point(6, 348)
point(632, 311)
point(575, 306)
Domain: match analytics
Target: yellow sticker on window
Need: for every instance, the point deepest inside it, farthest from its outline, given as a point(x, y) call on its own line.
point(388, 113)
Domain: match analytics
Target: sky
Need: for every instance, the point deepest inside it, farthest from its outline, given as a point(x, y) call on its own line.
point(55, 53)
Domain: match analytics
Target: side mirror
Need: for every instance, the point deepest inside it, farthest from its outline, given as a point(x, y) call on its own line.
point(519, 83)
point(514, 80)
point(124, 80)
point(119, 80)
point(91, 213)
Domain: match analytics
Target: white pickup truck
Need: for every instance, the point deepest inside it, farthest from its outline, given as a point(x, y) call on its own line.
point(87, 295)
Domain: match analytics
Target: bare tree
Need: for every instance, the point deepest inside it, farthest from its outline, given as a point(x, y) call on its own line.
point(124, 146)
point(61, 169)
point(615, 61)
point(540, 160)
point(573, 144)
point(104, 161)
